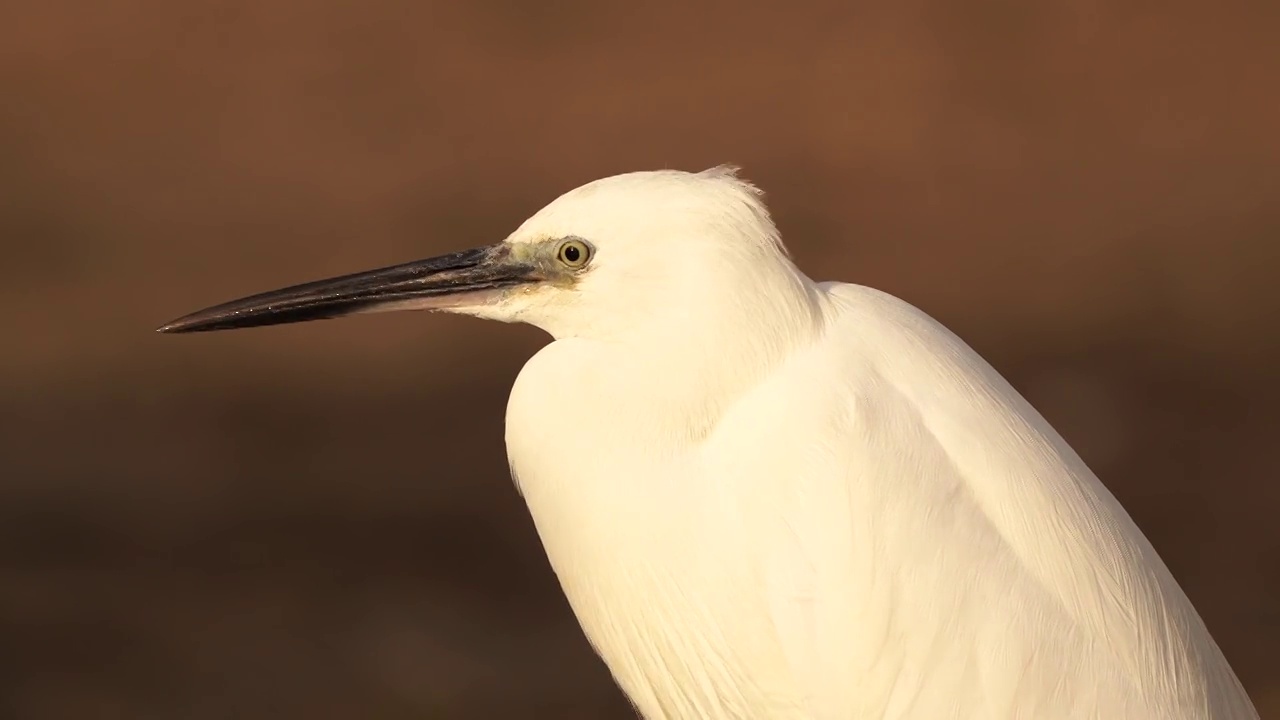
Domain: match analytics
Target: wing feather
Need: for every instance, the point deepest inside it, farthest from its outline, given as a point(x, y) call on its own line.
point(988, 572)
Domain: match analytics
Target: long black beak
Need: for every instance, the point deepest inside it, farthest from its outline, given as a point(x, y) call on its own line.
point(437, 283)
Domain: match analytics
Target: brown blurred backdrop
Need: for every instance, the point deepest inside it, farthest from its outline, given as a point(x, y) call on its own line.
point(316, 521)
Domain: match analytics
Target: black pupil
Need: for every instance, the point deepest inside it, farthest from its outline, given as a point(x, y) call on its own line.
point(572, 253)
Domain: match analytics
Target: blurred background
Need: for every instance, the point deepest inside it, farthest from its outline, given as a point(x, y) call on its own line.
point(317, 522)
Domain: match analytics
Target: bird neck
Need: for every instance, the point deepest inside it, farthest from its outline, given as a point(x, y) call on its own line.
point(708, 354)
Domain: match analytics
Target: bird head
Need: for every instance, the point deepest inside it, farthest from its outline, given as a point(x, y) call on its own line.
point(645, 251)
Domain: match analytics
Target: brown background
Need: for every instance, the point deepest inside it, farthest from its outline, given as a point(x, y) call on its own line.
point(316, 521)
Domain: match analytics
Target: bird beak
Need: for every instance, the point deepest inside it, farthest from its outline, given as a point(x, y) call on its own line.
point(458, 279)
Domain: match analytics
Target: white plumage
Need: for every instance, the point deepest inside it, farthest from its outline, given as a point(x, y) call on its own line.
point(770, 498)
point(767, 497)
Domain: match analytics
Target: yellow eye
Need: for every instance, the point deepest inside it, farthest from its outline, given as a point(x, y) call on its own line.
point(574, 253)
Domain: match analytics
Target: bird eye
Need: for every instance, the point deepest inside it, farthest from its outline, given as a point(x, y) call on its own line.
point(574, 253)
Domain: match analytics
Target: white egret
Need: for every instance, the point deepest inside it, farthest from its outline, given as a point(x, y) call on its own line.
point(769, 497)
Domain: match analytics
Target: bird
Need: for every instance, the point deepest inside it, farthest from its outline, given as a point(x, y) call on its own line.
point(769, 497)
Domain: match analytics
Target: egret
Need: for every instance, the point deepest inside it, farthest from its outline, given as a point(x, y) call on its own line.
point(770, 497)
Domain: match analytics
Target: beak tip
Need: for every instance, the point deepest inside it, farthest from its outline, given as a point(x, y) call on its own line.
point(176, 327)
